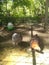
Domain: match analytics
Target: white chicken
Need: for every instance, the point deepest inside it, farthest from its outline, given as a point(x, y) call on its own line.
point(16, 38)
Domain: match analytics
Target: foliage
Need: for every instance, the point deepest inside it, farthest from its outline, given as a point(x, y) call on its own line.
point(19, 10)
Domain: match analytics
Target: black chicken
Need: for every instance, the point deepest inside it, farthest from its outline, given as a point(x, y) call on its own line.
point(36, 43)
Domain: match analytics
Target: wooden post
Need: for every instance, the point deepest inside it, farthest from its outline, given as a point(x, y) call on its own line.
point(31, 31)
point(34, 57)
point(33, 51)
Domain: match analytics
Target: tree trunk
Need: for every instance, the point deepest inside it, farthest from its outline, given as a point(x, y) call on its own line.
point(46, 15)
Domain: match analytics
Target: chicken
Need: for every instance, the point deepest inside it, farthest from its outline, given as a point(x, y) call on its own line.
point(36, 43)
point(16, 38)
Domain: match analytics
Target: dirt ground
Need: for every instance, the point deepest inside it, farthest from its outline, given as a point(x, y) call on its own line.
point(22, 55)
